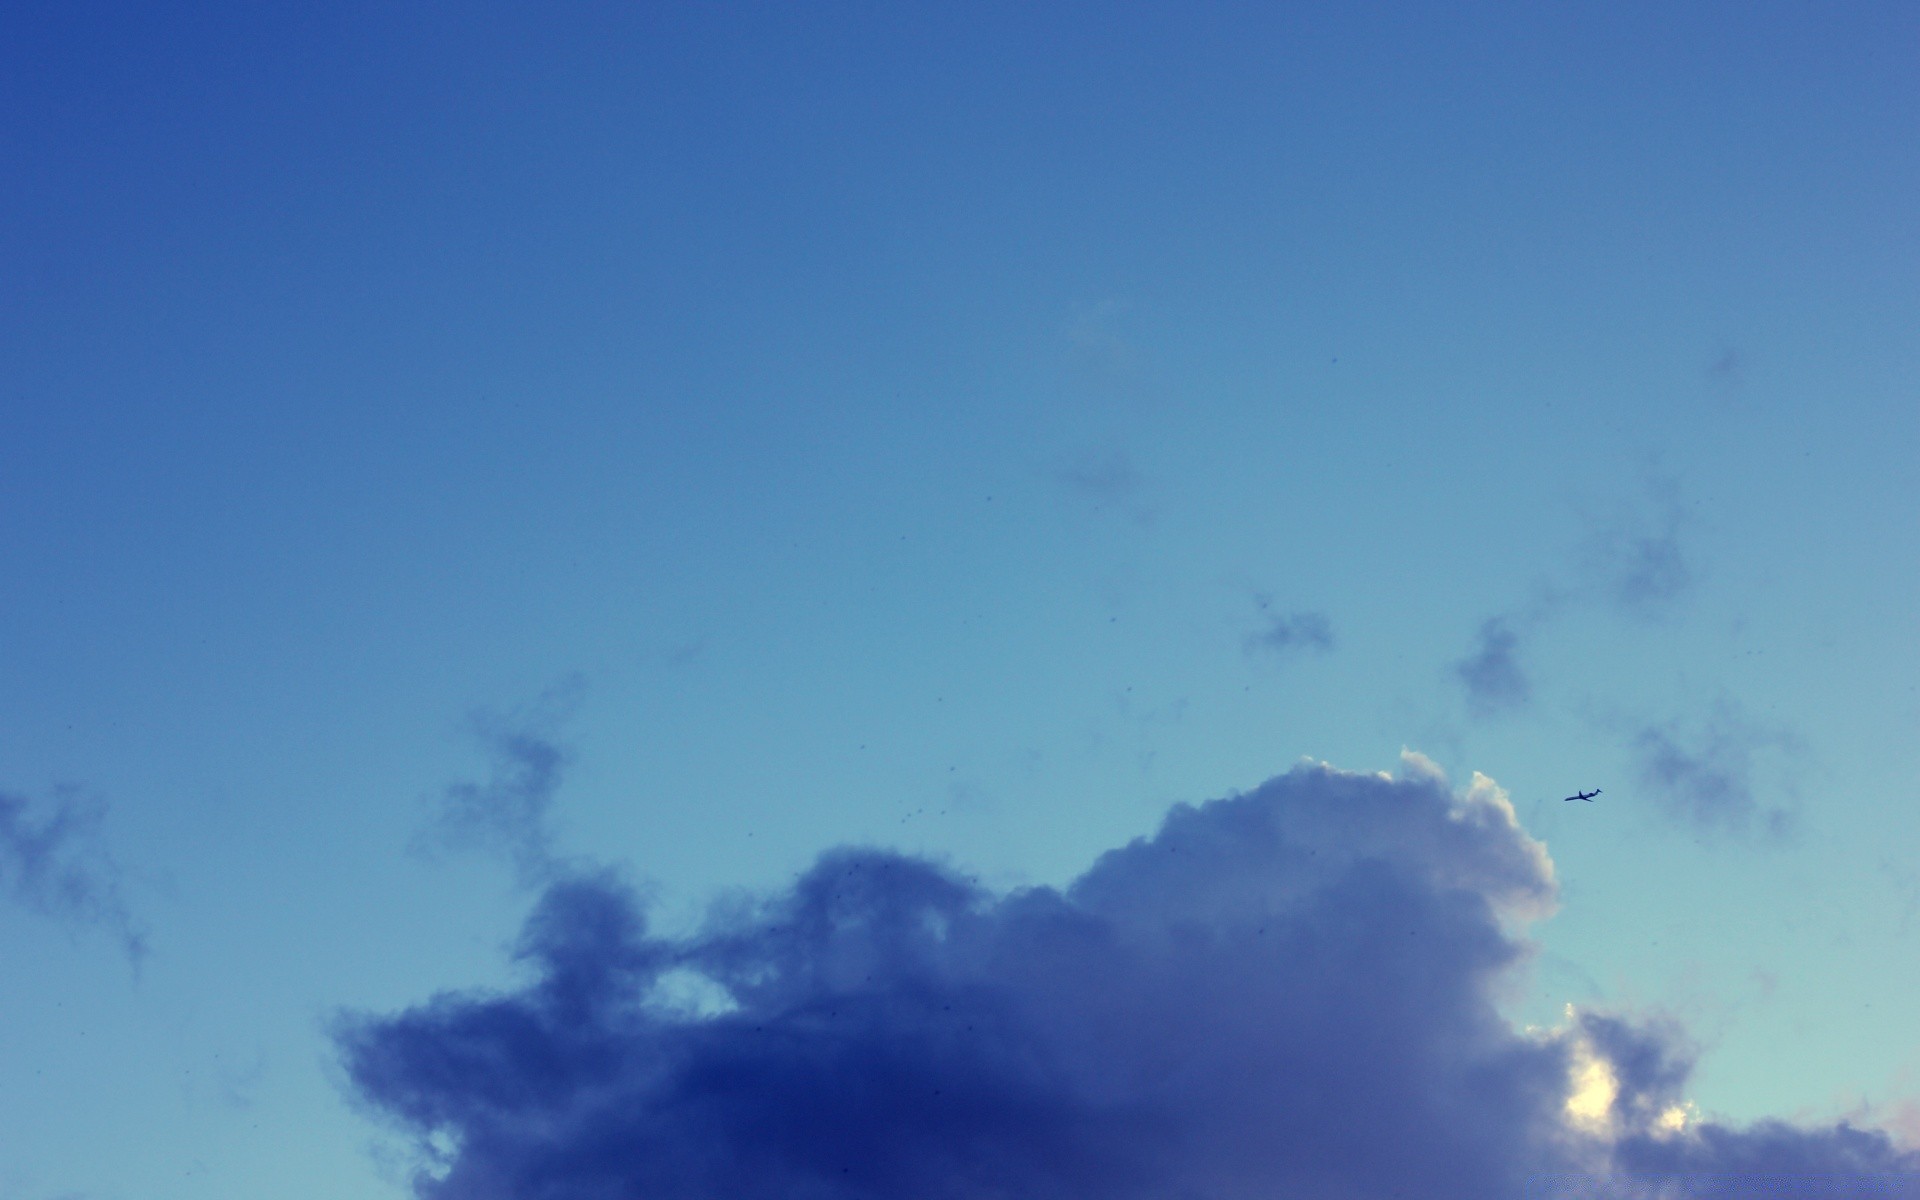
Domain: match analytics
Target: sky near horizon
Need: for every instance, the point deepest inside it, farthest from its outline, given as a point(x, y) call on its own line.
point(464, 468)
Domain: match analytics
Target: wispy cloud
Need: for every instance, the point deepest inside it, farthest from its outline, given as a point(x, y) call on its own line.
point(1288, 633)
point(1098, 340)
point(509, 813)
point(1286, 992)
point(1728, 367)
point(1704, 778)
point(1112, 483)
point(57, 864)
point(1634, 561)
point(1492, 675)
point(1904, 883)
point(1631, 563)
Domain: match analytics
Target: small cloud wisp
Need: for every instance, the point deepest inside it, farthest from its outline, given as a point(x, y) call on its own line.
point(58, 866)
point(510, 814)
point(1492, 675)
point(1289, 633)
point(1706, 781)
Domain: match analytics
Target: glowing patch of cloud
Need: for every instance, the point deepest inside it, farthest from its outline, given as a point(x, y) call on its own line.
point(1593, 1088)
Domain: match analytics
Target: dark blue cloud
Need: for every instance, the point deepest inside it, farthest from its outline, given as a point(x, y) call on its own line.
point(1282, 993)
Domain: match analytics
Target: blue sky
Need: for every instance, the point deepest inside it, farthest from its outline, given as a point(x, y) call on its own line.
point(449, 452)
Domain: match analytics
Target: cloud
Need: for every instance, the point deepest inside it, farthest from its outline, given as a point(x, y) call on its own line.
point(1631, 563)
point(58, 866)
point(1634, 562)
point(1097, 339)
point(1492, 674)
point(1284, 992)
point(1904, 883)
point(1289, 633)
point(1111, 482)
point(1706, 781)
point(509, 813)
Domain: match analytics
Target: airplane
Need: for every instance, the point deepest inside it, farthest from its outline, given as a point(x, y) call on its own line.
point(1587, 796)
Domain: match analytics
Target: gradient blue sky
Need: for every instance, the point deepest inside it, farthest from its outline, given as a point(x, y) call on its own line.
point(966, 429)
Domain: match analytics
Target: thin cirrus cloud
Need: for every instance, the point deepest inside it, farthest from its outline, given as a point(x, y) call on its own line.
point(1494, 680)
point(509, 813)
point(1284, 992)
point(1632, 564)
point(1112, 484)
point(1288, 633)
point(57, 865)
point(1704, 778)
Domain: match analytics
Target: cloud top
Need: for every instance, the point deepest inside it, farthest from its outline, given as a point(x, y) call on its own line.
point(1283, 992)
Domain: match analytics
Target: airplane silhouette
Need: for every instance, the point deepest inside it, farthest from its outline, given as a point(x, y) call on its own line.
point(1587, 796)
